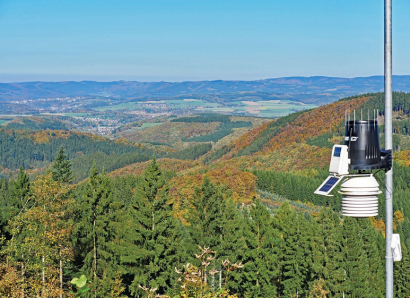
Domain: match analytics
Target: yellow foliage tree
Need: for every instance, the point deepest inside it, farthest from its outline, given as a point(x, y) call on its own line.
point(40, 244)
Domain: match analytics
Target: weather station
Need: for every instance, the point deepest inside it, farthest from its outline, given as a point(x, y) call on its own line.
point(355, 161)
point(361, 152)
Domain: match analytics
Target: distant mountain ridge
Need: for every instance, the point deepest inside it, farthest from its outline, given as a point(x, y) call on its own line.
point(333, 87)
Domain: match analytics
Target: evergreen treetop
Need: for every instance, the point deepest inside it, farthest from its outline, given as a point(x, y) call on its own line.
point(61, 168)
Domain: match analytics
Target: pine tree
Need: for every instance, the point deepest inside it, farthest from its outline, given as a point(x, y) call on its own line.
point(327, 258)
point(156, 248)
point(355, 263)
point(205, 216)
point(61, 168)
point(262, 247)
point(402, 275)
point(14, 198)
point(295, 257)
point(232, 245)
point(20, 189)
point(99, 231)
point(215, 222)
point(5, 206)
point(375, 257)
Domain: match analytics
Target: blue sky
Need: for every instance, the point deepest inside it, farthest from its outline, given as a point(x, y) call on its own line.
point(175, 40)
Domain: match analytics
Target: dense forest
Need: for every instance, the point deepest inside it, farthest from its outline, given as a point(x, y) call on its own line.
point(29, 149)
point(121, 235)
point(120, 219)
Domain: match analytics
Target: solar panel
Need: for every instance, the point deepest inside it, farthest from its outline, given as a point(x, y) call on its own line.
point(328, 185)
point(337, 151)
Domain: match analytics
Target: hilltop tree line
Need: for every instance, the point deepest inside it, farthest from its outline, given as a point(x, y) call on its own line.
point(122, 235)
point(29, 149)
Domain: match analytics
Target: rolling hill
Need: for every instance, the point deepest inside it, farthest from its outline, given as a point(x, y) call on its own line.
point(290, 156)
point(312, 87)
point(243, 185)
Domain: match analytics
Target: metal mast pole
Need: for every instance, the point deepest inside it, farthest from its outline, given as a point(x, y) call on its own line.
point(388, 141)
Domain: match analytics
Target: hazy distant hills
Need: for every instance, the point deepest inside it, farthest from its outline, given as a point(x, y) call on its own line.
point(327, 89)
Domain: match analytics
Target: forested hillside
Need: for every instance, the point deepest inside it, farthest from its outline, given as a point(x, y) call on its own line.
point(183, 132)
point(142, 221)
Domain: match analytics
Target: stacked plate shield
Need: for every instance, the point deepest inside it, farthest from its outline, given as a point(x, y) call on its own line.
point(360, 197)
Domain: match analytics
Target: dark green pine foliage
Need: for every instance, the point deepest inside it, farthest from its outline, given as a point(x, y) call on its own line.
point(20, 189)
point(205, 216)
point(355, 262)
point(295, 256)
point(5, 205)
point(98, 233)
point(155, 233)
point(232, 245)
point(374, 246)
point(215, 222)
point(123, 189)
point(262, 242)
point(13, 198)
point(328, 257)
point(402, 275)
point(61, 168)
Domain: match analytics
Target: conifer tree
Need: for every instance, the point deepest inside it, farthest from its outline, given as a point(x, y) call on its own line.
point(5, 206)
point(262, 247)
point(98, 232)
point(295, 257)
point(20, 189)
point(155, 236)
point(327, 258)
point(355, 263)
point(205, 216)
point(402, 275)
point(214, 221)
point(61, 168)
point(232, 245)
point(375, 257)
point(14, 197)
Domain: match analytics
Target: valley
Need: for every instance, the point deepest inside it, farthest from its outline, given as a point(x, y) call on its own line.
point(240, 184)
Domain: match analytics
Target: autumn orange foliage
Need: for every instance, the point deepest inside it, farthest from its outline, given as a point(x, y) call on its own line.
point(168, 164)
point(242, 184)
point(402, 158)
point(307, 125)
point(379, 225)
point(172, 132)
point(248, 137)
point(297, 157)
point(317, 122)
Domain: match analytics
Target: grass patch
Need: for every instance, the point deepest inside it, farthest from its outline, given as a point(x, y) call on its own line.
point(146, 125)
point(75, 114)
point(121, 106)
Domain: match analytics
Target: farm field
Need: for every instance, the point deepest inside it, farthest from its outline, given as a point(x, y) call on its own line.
point(76, 114)
point(122, 106)
point(268, 108)
point(146, 125)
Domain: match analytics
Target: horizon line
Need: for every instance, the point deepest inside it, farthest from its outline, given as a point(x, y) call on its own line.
point(189, 81)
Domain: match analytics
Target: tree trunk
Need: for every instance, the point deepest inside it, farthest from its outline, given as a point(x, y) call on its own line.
point(61, 276)
point(43, 278)
point(22, 275)
point(213, 282)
